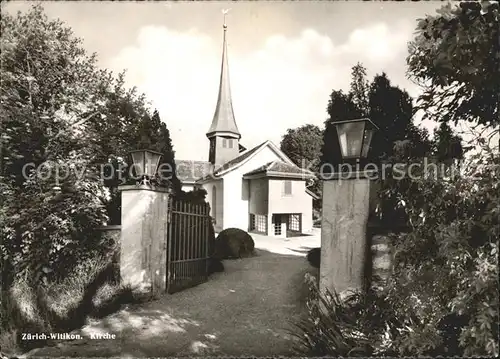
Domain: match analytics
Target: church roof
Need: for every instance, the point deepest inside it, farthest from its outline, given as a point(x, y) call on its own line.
point(281, 169)
point(223, 120)
point(189, 171)
point(234, 162)
point(228, 165)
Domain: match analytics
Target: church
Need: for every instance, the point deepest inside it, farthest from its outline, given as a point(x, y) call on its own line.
point(258, 189)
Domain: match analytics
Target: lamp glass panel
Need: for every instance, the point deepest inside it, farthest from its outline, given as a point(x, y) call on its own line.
point(367, 141)
point(343, 143)
point(152, 160)
point(138, 159)
point(351, 138)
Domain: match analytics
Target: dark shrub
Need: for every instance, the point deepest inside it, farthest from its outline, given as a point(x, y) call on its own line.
point(215, 265)
point(314, 257)
point(233, 243)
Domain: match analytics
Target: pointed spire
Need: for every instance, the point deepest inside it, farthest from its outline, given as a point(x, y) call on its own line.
point(223, 120)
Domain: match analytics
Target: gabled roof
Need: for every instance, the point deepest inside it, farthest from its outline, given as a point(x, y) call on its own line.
point(233, 163)
point(189, 171)
point(244, 157)
point(223, 120)
point(281, 169)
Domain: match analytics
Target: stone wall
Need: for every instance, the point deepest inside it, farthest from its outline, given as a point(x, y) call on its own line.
point(343, 234)
point(381, 254)
point(143, 241)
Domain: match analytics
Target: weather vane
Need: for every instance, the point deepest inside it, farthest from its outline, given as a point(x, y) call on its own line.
point(224, 12)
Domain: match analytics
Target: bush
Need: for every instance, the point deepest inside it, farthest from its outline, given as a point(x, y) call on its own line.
point(233, 243)
point(314, 257)
point(345, 324)
point(215, 265)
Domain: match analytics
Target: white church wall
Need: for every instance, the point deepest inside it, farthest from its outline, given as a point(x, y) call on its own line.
point(234, 188)
point(298, 202)
point(217, 208)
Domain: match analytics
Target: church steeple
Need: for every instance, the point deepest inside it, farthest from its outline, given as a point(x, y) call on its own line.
point(223, 133)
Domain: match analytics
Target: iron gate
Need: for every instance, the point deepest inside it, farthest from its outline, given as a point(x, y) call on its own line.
point(188, 244)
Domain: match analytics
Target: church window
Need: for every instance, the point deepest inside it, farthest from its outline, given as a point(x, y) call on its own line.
point(224, 143)
point(287, 188)
point(230, 141)
point(214, 202)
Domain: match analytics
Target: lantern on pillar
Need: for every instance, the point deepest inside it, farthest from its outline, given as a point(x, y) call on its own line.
point(355, 137)
point(347, 202)
point(146, 164)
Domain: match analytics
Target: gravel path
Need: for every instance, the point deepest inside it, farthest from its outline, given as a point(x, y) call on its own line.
point(246, 310)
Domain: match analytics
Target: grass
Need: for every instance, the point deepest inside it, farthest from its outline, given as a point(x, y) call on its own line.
point(90, 290)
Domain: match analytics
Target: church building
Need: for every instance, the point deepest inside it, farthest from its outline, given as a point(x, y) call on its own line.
point(258, 189)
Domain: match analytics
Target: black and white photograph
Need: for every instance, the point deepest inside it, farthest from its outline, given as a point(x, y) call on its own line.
point(249, 179)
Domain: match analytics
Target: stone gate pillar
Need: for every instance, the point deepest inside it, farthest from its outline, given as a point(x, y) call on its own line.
point(144, 218)
point(345, 246)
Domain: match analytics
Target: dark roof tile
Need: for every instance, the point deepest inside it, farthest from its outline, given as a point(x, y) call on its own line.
point(190, 171)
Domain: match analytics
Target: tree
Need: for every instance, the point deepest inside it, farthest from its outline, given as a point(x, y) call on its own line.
point(389, 107)
point(455, 58)
point(341, 107)
point(391, 110)
point(47, 103)
point(447, 145)
point(61, 112)
point(455, 222)
point(303, 146)
point(360, 88)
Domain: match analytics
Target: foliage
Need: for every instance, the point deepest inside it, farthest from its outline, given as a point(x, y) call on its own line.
point(58, 112)
point(350, 324)
point(391, 109)
point(142, 132)
point(303, 146)
point(455, 58)
point(61, 113)
point(360, 88)
point(448, 264)
point(447, 145)
point(443, 295)
point(196, 196)
point(48, 83)
point(60, 224)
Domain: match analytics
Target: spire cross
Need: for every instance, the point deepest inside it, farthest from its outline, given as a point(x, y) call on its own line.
point(224, 12)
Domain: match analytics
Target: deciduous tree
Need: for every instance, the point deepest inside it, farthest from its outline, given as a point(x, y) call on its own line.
point(455, 58)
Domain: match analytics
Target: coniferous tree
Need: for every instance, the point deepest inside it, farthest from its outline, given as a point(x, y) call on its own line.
point(389, 107)
point(447, 145)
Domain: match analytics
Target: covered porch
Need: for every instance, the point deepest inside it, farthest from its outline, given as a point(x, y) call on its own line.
point(278, 203)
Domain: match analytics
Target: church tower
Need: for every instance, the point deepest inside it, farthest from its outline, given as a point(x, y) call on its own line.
point(223, 134)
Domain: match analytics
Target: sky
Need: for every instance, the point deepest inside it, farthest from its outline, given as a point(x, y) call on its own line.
point(285, 58)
